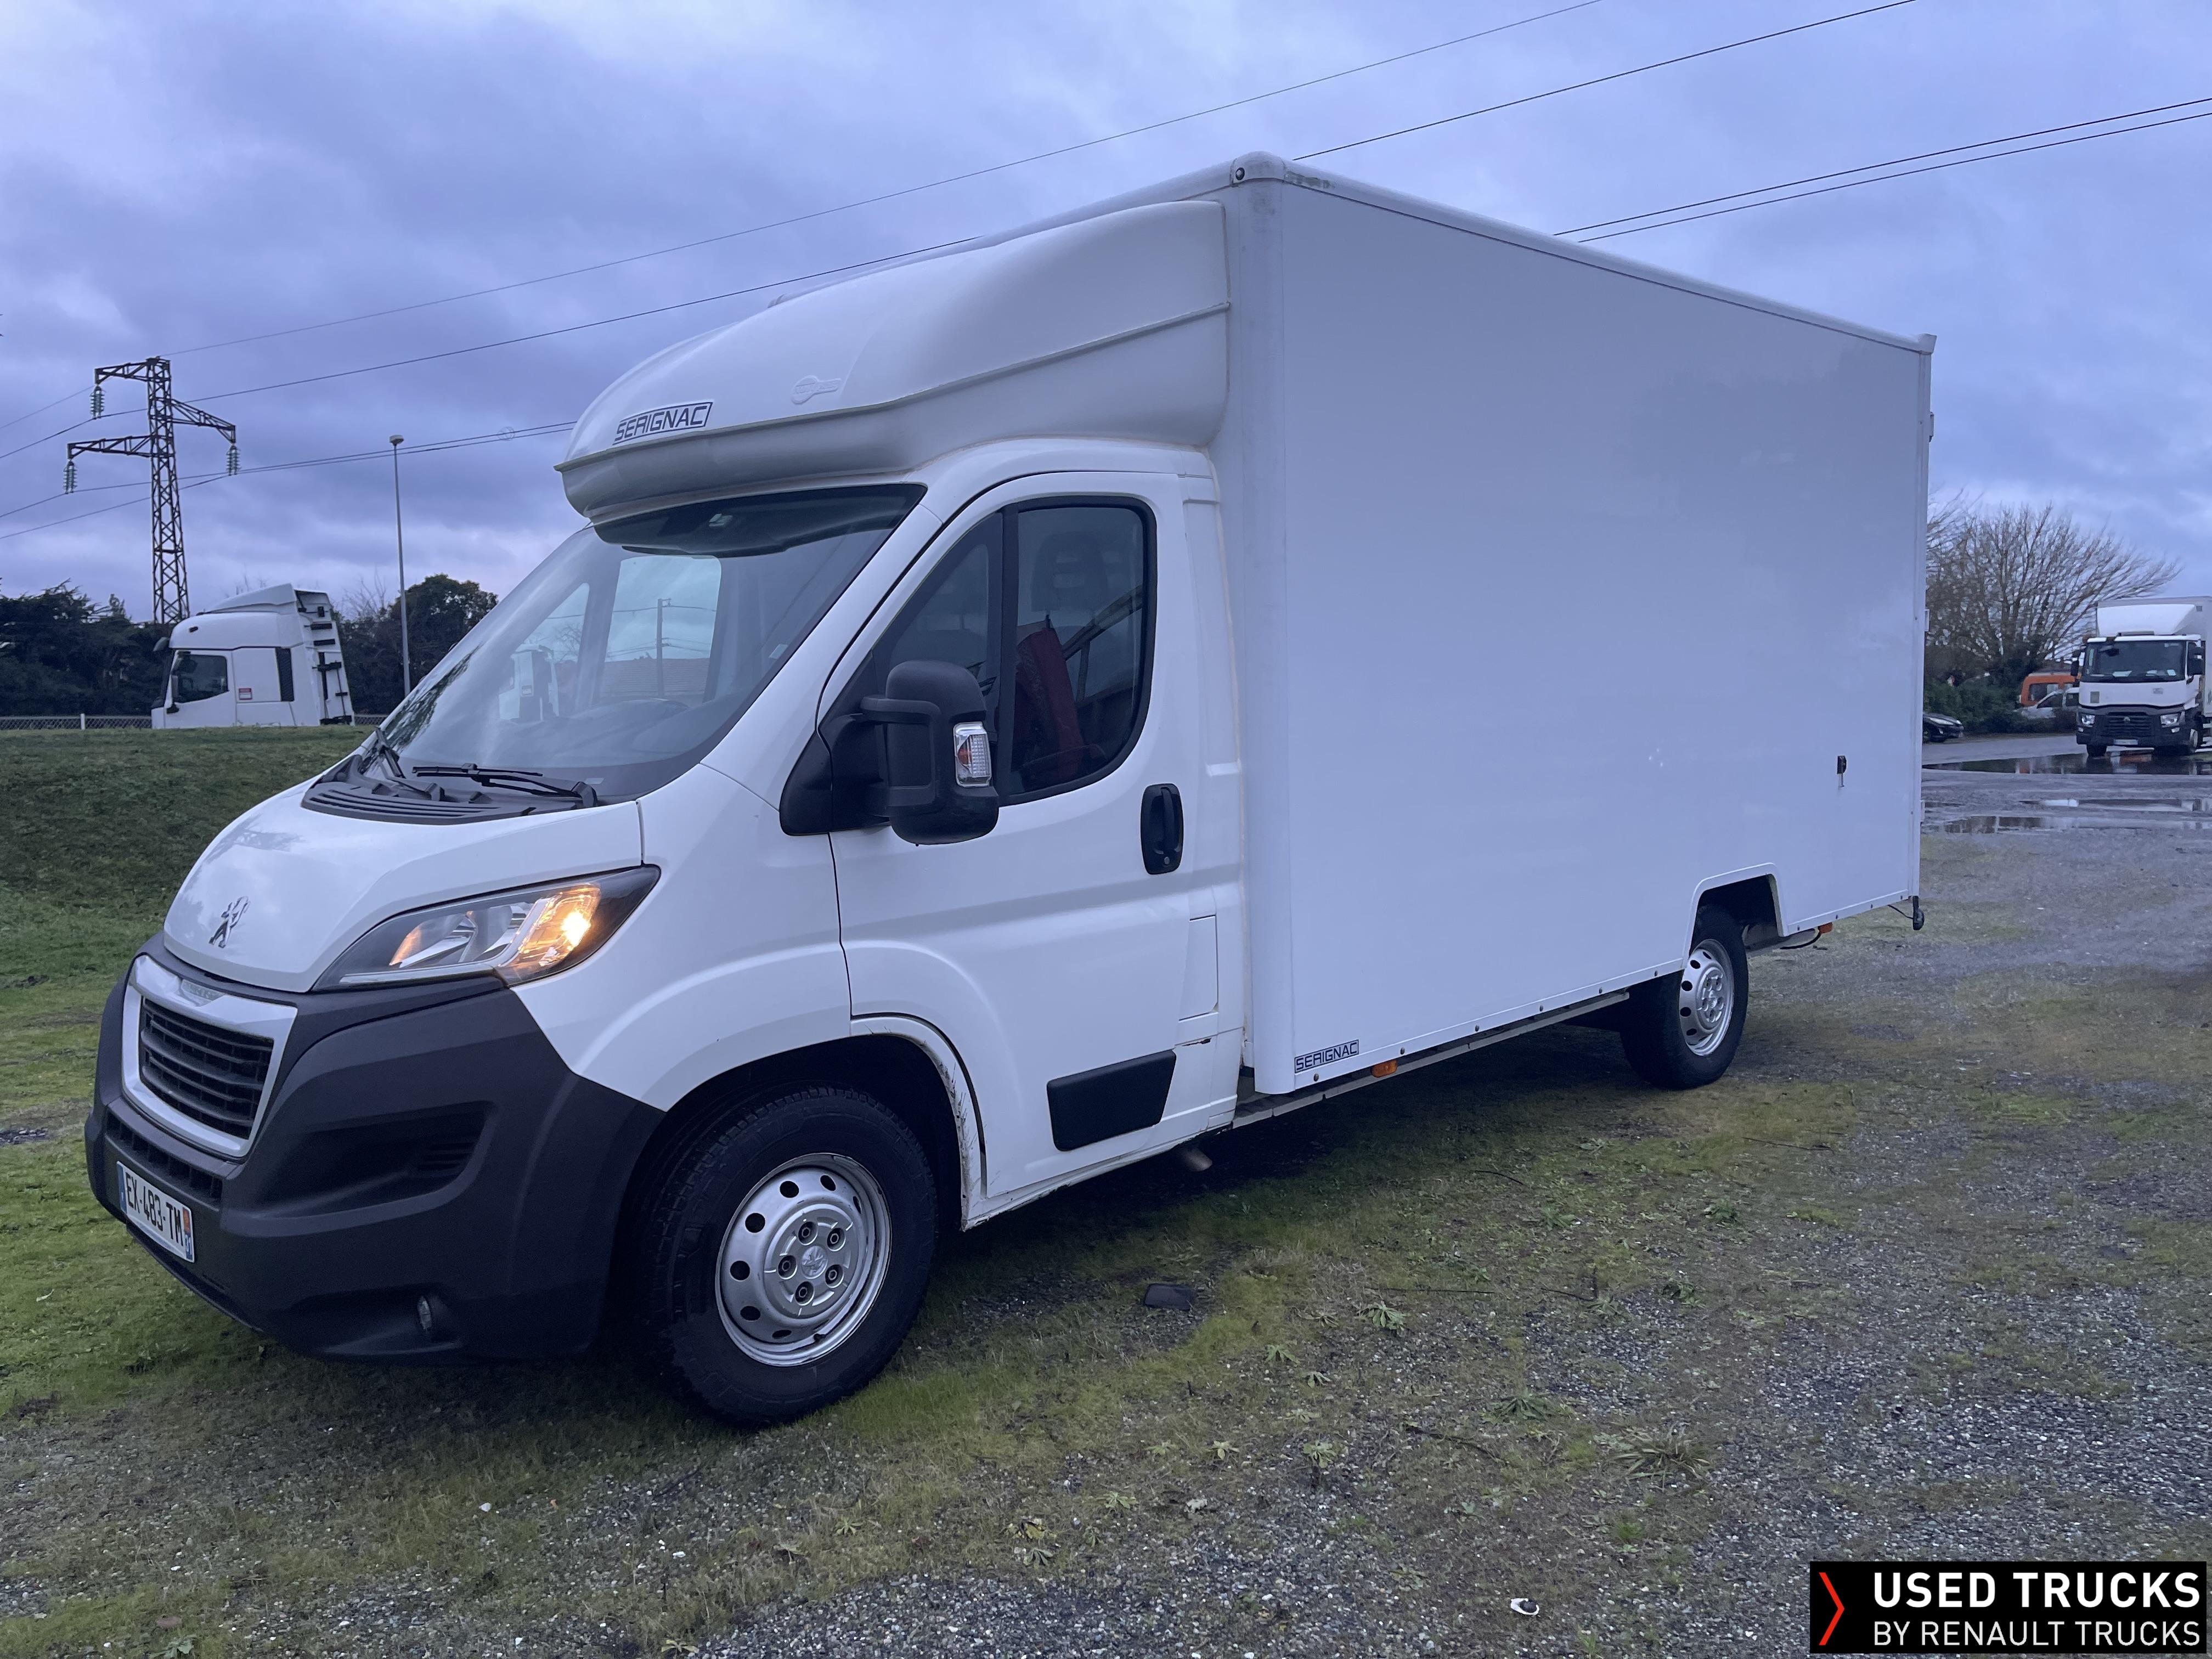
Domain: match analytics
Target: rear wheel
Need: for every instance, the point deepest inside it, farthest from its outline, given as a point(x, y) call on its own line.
point(1681, 1030)
point(777, 1253)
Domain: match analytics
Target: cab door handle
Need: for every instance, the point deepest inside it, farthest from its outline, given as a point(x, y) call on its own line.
point(1160, 827)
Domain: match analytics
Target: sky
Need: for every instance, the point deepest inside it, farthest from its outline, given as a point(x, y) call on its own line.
point(175, 178)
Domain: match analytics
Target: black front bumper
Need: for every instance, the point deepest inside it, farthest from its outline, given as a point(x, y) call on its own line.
point(422, 1148)
point(2140, 727)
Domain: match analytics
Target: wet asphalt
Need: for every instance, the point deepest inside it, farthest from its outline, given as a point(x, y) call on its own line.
point(2038, 785)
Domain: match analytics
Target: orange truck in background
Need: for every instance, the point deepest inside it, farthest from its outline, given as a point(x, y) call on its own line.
point(2036, 686)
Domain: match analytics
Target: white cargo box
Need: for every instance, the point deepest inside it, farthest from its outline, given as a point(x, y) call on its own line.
point(2167, 616)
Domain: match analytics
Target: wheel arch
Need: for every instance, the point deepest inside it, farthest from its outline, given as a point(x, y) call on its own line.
point(920, 1080)
point(1753, 898)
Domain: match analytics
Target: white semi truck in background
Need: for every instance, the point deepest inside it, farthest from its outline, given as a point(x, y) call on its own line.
point(1012, 713)
point(268, 657)
point(2143, 681)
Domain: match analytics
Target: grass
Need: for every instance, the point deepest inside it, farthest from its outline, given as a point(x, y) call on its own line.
point(1497, 1325)
point(98, 830)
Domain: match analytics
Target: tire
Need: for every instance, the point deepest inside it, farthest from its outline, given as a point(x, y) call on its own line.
point(2096, 750)
point(1681, 1030)
point(814, 1208)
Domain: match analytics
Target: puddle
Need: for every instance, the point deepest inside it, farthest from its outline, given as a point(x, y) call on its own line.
point(2168, 804)
point(2135, 763)
point(1994, 824)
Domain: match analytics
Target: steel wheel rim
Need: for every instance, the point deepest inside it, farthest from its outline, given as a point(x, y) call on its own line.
point(1706, 998)
point(803, 1259)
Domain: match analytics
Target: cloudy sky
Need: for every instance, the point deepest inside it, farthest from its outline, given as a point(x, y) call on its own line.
point(175, 178)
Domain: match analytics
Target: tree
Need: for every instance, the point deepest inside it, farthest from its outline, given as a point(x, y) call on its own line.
point(61, 654)
point(2011, 587)
point(440, 611)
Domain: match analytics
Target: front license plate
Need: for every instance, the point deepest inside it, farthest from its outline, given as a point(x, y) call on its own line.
point(164, 1219)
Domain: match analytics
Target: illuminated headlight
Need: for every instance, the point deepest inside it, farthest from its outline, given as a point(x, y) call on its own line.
point(520, 935)
point(2085, 720)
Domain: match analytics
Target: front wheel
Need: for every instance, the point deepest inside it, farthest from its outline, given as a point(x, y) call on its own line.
point(1682, 1029)
point(777, 1253)
point(2096, 750)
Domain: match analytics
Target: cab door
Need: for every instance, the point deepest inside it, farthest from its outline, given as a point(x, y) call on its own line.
point(1064, 953)
point(255, 687)
point(199, 691)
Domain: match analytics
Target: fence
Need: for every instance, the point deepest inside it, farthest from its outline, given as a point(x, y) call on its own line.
point(74, 722)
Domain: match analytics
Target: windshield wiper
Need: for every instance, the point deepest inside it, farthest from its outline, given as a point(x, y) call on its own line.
point(354, 769)
point(509, 777)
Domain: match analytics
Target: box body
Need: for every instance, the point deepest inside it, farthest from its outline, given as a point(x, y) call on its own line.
point(1542, 568)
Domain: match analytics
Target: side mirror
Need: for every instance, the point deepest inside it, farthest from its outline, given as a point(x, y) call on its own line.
point(936, 782)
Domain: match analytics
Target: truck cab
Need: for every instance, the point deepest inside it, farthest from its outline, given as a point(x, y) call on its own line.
point(271, 657)
point(2143, 681)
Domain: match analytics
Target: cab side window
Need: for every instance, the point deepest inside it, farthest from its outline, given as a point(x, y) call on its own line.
point(1049, 605)
point(199, 675)
point(953, 619)
point(1082, 631)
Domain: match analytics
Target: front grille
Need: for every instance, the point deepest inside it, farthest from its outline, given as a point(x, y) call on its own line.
point(2135, 726)
point(211, 1074)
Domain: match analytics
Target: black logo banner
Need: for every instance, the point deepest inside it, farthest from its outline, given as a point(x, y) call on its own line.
point(2008, 1606)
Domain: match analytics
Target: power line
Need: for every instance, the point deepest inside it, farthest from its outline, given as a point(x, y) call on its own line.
point(542, 334)
point(50, 524)
point(905, 191)
point(82, 490)
point(50, 437)
point(1840, 173)
point(1764, 191)
point(18, 420)
point(573, 328)
point(1884, 178)
point(1599, 81)
point(578, 328)
point(193, 482)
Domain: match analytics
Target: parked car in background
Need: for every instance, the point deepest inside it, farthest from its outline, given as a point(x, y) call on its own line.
point(2058, 707)
point(1940, 728)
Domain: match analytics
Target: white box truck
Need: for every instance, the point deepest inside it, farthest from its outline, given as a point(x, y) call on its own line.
point(1017, 712)
point(271, 657)
point(2143, 683)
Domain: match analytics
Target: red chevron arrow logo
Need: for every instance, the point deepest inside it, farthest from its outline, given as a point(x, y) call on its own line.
point(1838, 1615)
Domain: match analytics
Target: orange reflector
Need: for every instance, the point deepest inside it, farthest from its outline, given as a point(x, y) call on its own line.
point(1827, 927)
point(1384, 1069)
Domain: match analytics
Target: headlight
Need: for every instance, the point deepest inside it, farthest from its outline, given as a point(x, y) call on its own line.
point(520, 935)
point(2085, 719)
point(2169, 720)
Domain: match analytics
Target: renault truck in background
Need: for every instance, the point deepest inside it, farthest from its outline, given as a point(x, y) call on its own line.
point(2143, 678)
point(1012, 713)
point(271, 657)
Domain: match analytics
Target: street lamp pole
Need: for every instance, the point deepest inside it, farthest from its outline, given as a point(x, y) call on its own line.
point(400, 535)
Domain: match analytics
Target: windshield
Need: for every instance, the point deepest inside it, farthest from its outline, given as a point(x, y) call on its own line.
point(625, 656)
point(2134, 659)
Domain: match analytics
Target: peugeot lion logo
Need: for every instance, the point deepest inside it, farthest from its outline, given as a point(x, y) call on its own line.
point(232, 914)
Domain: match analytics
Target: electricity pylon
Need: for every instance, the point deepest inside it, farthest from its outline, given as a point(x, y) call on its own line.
point(159, 442)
